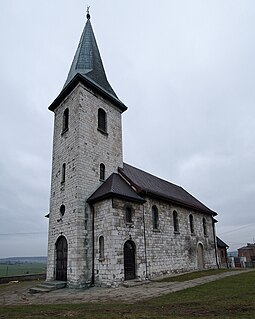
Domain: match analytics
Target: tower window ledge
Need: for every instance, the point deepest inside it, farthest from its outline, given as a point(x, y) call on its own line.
point(103, 132)
point(130, 224)
point(64, 131)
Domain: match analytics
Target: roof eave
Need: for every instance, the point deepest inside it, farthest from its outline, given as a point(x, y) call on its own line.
point(114, 195)
point(87, 82)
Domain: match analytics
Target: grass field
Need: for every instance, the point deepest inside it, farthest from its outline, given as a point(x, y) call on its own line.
point(195, 274)
point(21, 269)
point(229, 298)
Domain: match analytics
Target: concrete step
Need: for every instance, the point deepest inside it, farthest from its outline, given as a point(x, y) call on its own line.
point(48, 286)
point(38, 289)
point(57, 284)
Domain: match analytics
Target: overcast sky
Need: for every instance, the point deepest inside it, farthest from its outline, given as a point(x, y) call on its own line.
point(184, 68)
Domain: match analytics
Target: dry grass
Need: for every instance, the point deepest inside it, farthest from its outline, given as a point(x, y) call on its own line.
point(195, 274)
point(230, 298)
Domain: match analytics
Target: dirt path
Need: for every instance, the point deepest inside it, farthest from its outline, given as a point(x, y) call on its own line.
point(17, 293)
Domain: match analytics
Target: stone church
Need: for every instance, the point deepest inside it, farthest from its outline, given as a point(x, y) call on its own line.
point(109, 221)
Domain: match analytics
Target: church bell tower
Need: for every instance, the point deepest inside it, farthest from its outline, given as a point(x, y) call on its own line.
point(87, 149)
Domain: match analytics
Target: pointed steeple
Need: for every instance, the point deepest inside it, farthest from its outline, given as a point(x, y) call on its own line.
point(87, 61)
point(87, 68)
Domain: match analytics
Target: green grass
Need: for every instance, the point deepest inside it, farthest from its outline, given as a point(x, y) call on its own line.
point(195, 274)
point(230, 298)
point(21, 269)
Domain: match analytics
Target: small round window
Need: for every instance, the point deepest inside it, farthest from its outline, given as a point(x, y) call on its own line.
point(62, 210)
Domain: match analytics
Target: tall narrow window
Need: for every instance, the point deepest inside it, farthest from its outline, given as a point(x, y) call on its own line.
point(62, 210)
point(176, 222)
point(102, 172)
point(63, 173)
point(128, 215)
point(155, 217)
point(102, 126)
point(204, 227)
point(191, 224)
point(101, 247)
point(65, 120)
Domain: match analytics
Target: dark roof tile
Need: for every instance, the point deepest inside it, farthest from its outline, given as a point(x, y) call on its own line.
point(87, 67)
point(114, 186)
point(154, 186)
point(220, 243)
point(87, 61)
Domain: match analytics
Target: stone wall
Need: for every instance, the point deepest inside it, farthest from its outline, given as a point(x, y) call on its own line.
point(169, 251)
point(159, 251)
point(31, 277)
point(82, 148)
point(110, 223)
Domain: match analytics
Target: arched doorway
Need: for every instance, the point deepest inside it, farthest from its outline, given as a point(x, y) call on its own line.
point(129, 260)
point(200, 257)
point(61, 264)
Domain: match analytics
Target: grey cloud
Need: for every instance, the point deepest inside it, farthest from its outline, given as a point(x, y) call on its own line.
point(185, 71)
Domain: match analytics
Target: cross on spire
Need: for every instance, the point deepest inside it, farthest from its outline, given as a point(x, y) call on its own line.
point(88, 15)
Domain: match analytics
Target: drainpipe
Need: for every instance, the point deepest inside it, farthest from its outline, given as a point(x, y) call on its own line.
point(226, 257)
point(93, 246)
point(145, 247)
point(215, 244)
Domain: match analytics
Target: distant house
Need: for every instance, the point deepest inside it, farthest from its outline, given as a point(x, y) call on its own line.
point(222, 253)
point(248, 252)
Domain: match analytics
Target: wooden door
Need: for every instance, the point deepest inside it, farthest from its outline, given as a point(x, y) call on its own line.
point(61, 265)
point(129, 260)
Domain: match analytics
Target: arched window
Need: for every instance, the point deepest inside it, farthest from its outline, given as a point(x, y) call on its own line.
point(63, 173)
point(128, 215)
point(102, 172)
point(155, 217)
point(102, 125)
point(204, 227)
point(176, 222)
point(65, 120)
point(101, 247)
point(191, 223)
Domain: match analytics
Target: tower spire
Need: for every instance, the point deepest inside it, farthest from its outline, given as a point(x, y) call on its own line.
point(87, 68)
point(87, 61)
